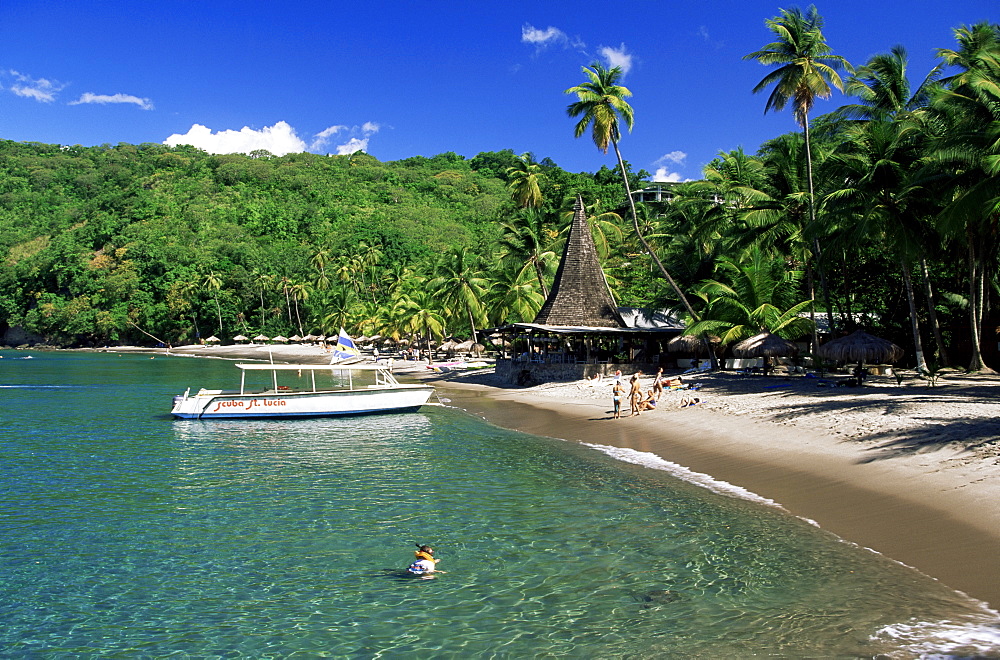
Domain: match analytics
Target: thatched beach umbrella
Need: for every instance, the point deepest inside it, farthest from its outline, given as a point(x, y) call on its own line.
point(295, 338)
point(261, 337)
point(449, 346)
point(239, 338)
point(765, 344)
point(464, 347)
point(690, 344)
point(860, 347)
point(212, 340)
point(280, 338)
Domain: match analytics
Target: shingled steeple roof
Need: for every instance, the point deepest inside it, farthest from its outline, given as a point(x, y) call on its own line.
point(580, 294)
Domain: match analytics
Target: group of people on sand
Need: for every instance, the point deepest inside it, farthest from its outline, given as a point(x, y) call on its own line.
point(640, 402)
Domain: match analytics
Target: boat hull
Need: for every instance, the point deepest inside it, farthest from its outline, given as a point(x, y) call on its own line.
point(227, 405)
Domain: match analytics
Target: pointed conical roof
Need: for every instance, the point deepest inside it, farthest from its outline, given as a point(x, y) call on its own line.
point(580, 294)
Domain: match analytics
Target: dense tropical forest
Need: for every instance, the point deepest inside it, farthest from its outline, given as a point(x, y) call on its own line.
point(879, 215)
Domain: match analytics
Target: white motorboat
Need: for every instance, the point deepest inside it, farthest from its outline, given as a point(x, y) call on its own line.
point(356, 389)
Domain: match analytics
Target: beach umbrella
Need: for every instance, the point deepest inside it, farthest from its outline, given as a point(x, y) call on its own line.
point(295, 338)
point(860, 347)
point(280, 338)
point(262, 337)
point(239, 338)
point(448, 346)
point(690, 344)
point(363, 339)
point(766, 345)
point(309, 338)
point(464, 347)
point(375, 338)
point(212, 340)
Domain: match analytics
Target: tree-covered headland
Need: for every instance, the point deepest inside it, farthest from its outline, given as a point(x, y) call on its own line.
point(881, 213)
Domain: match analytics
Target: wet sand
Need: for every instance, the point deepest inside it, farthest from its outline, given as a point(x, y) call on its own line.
point(909, 471)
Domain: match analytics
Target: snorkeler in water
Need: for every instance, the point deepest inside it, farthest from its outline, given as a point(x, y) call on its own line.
point(426, 563)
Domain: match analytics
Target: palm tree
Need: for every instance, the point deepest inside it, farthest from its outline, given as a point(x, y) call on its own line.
point(884, 90)
point(885, 95)
point(300, 291)
point(883, 190)
point(263, 282)
point(526, 241)
point(525, 179)
point(759, 295)
point(512, 296)
point(213, 283)
point(969, 106)
point(460, 286)
point(417, 315)
point(806, 69)
point(601, 106)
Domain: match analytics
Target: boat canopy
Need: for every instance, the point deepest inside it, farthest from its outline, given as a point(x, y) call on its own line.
point(264, 366)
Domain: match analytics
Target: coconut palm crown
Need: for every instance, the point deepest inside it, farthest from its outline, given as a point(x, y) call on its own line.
point(805, 65)
point(601, 102)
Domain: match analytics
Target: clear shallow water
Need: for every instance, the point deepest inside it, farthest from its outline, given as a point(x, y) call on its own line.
point(127, 533)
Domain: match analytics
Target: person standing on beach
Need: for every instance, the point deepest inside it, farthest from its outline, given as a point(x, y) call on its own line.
point(658, 383)
point(616, 395)
point(635, 393)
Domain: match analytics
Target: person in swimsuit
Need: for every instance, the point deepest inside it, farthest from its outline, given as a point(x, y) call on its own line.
point(616, 395)
point(425, 561)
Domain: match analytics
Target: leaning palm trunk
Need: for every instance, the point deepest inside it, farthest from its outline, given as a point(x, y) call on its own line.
point(652, 253)
point(932, 314)
point(472, 324)
point(918, 346)
point(541, 279)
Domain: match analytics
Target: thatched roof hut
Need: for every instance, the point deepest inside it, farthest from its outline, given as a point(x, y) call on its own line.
point(580, 294)
point(690, 344)
point(860, 347)
point(765, 344)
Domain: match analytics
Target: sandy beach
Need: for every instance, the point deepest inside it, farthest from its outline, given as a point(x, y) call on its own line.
point(907, 470)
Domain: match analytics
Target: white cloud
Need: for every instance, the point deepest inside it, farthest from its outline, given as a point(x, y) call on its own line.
point(542, 38)
point(703, 32)
point(617, 57)
point(89, 97)
point(40, 89)
point(352, 145)
point(662, 175)
point(677, 157)
point(279, 139)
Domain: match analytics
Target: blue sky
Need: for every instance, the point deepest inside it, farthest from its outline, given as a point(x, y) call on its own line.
point(400, 79)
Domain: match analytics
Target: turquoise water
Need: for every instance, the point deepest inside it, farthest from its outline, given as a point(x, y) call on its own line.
point(126, 533)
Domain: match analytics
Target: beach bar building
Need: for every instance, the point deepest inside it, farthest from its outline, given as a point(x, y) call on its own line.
point(580, 331)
